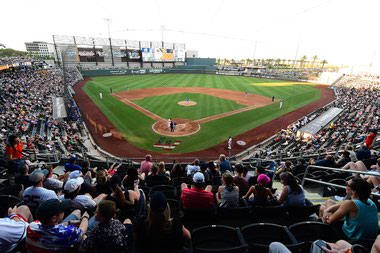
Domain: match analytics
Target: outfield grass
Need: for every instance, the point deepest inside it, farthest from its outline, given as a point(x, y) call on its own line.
point(167, 106)
point(136, 127)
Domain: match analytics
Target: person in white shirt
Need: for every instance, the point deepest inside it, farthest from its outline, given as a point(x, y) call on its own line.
point(192, 168)
point(33, 196)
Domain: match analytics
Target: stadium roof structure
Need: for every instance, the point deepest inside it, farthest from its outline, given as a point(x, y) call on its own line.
point(317, 124)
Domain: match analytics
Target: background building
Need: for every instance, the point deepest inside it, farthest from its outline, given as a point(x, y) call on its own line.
point(40, 48)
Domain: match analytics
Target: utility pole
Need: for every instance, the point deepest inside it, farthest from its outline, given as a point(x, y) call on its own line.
point(373, 57)
point(162, 33)
point(295, 58)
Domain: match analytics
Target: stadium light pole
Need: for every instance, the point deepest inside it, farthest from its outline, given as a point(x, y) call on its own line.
point(108, 21)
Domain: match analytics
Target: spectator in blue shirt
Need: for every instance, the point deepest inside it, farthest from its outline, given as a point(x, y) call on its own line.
point(71, 165)
point(224, 164)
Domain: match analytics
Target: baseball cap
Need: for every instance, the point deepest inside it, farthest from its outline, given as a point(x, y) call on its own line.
point(73, 184)
point(75, 174)
point(37, 175)
point(115, 179)
point(73, 158)
point(263, 179)
point(51, 207)
point(198, 178)
point(158, 202)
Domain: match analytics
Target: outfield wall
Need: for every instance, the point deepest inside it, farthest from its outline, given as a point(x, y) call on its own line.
point(119, 72)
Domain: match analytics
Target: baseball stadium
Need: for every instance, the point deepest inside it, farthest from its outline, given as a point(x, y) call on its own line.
point(136, 142)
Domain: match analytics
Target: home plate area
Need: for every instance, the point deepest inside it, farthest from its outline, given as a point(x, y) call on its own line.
point(166, 144)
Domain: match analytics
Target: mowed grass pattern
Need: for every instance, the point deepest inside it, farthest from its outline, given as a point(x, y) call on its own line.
point(136, 127)
point(167, 106)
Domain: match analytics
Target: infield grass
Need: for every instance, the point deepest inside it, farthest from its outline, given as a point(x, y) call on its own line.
point(136, 127)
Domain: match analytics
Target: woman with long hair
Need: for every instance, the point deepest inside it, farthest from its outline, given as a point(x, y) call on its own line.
point(228, 193)
point(177, 171)
point(159, 231)
point(261, 193)
point(292, 194)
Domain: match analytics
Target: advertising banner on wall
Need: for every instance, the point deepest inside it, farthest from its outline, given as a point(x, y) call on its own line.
point(180, 54)
point(146, 54)
point(163, 54)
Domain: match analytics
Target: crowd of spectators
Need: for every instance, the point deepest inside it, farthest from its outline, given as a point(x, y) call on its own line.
point(26, 110)
point(359, 100)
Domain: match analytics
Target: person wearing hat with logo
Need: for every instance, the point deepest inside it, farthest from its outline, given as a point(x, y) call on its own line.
point(197, 197)
point(71, 191)
point(52, 233)
point(34, 195)
point(261, 194)
point(159, 231)
point(110, 235)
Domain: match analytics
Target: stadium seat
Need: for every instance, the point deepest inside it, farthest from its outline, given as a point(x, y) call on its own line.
point(303, 212)
point(168, 190)
point(268, 211)
point(259, 235)
point(6, 202)
point(193, 218)
point(179, 180)
point(218, 238)
point(310, 231)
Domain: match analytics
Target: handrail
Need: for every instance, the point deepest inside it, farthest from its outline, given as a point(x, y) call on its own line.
point(336, 170)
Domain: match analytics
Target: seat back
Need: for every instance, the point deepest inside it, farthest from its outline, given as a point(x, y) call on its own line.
point(218, 238)
point(268, 211)
point(179, 180)
point(303, 212)
point(7, 201)
point(168, 190)
point(310, 231)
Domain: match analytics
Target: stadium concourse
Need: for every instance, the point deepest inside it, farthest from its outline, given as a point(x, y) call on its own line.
point(57, 197)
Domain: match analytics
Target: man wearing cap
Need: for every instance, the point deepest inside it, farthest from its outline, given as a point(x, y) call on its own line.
point(49, 234)
point(34, 195)
point(197, 197)
point(71, 165)
point(71, 191)
point(110, 235)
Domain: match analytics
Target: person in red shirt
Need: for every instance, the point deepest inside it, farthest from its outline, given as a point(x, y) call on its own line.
point(196, 197)
point(13, 151)
point(370, 138)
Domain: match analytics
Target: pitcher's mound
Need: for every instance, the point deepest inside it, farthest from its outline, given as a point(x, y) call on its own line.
point(187, 103)
point(184, 128)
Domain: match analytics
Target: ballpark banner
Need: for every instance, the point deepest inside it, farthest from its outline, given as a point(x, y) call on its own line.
point(146, 54)
point(163, 54)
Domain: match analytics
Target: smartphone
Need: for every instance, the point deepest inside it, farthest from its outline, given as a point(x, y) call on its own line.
point(321, 244)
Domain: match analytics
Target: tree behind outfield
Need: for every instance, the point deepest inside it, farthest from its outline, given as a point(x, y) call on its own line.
point(9, 52)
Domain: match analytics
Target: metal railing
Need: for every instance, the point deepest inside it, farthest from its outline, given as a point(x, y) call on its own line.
point(335, 170)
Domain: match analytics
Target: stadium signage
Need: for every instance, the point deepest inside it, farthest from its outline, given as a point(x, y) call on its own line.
point(156, 71)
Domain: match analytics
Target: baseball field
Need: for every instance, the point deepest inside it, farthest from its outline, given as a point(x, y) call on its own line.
point(207, 109)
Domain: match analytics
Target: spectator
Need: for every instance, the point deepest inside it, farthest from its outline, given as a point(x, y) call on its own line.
point(204, 169)
point(110, 235)
point(146, 166)
point(370, 138)
point(13, 228)
point(71, 191)
point(213, 170)
point(292, 194)
point(192, 168)
point(51, 233)
point(50, 182)
point(224, 165)
point(350, 149)
point(359, 213)
point(197, 197)
point(23, 178)
point(261, 194)
point(154, 178)
point(159, 232)
point(177, 171)
point(287, 167)
point(102, 183)
point(300, 167)
point(329, 161)
point(13, 151)
point(131, 177)
point(344, 159)
point(363, 153)
point(71, 165)
point(239, 179)
point(228, 193)
point(34, 195)
point(162, 170)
